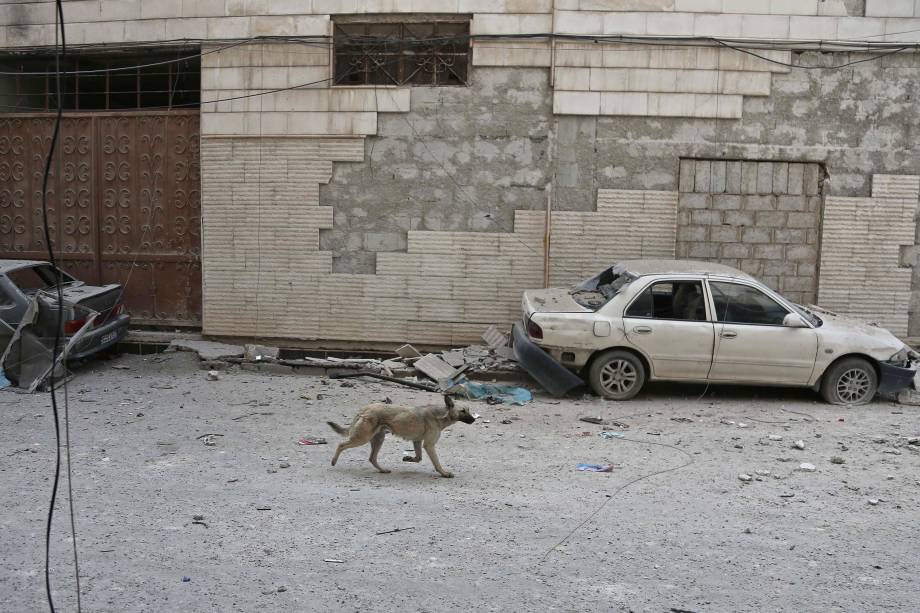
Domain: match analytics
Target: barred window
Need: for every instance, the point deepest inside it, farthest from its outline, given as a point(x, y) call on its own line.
point(429, 52)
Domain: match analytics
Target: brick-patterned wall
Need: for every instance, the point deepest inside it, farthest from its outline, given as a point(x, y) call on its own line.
point(761, 217)
point(265, 275)
point(861, 242)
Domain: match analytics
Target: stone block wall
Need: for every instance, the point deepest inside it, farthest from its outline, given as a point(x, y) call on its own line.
point(761, 217)
point(861, 270)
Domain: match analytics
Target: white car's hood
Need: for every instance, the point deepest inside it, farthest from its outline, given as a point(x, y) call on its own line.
point(856, 335)
point(552, 300)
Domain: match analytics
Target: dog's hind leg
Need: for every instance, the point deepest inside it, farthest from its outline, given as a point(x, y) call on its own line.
point(418, 453)
point(376, 444)
point(348, 444)
point(433, 455)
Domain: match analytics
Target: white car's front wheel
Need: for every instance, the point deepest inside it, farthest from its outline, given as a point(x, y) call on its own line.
point(850, 381)
point(617, 375)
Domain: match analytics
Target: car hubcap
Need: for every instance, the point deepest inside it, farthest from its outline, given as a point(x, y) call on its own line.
point(618, 377)
point(853, 385)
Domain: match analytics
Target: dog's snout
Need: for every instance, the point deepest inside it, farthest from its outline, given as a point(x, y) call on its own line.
point(468, 419)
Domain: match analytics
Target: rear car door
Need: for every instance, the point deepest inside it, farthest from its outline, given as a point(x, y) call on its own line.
point(752, 345)
point(668, 322)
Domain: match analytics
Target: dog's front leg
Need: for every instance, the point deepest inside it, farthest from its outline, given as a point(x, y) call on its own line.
point(433, 455)
point(418, 453)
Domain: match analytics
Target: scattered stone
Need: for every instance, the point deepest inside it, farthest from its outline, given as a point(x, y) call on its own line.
point(198, 517)
point(889, 478)
point(282, 588)
point(914, 440)
point(745, 477)
point(213, 375)
point(285, 465)
point(506, 421)
point(775, 437)
point(747, 531)
point(683, 420)
point(763, 473)
point(799, 444)
point(742, 425)
point(346, 383)
point(837, 460)
point(873, 501)
point(806, 467)
point(263, 507)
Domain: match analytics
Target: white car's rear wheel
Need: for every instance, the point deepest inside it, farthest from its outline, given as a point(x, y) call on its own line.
point(851, 381)
point(617, 374)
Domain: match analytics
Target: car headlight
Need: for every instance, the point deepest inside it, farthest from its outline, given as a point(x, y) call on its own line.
point(903, 356)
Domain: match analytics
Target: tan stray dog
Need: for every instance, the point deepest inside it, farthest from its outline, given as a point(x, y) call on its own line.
point(421, 425)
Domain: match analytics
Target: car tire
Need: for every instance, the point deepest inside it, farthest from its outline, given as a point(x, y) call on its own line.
point(617, 375)
point(851, 381)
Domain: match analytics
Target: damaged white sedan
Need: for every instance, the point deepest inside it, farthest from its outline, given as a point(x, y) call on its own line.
point(681, 320)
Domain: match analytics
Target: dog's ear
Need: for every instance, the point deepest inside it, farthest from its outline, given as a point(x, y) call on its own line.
point(448, 401)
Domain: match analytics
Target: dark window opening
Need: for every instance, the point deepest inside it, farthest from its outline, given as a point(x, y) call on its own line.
point(681, 300)
point(430, 52)
point(121, 85)
point(741, 304)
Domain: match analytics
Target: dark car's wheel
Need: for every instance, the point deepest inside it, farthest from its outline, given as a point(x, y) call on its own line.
point(617, 374)
point(850, 381)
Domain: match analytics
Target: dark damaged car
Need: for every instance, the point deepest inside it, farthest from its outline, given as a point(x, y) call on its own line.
point(98, 308)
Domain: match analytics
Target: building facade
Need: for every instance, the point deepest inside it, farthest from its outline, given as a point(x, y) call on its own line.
point(396, 170)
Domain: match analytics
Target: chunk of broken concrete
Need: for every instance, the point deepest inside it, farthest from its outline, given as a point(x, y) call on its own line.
point(799, 444)
point(806, 467)
point(493, 338)
point(408, 352)
point(213, 375)
point(745, 477)
point(261, 352)
point(207, 350)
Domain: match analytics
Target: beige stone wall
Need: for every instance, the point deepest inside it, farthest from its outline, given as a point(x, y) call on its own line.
point(861, 242)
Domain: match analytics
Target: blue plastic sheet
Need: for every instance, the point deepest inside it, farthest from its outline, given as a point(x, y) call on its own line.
point(4, 382)
point(497, 394)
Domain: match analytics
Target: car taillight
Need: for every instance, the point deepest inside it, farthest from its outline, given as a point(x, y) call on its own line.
point(118, 310)
point(533, 330)
point(73, 326)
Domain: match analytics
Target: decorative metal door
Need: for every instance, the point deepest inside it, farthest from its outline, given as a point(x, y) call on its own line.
point(123, 204)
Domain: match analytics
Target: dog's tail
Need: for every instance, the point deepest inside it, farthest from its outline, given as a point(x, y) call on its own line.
point(339, 429)
point(448, 401)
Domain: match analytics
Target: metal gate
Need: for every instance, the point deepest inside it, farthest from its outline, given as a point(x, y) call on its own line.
point(123, 204)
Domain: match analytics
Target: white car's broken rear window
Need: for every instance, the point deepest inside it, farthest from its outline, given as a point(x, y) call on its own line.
point(600, 289)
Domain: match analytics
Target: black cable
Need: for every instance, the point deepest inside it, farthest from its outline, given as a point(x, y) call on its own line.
point(61, 53)
point(803, 66)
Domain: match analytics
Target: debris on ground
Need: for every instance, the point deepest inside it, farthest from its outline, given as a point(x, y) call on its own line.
point(873, 501)
point(213, 375)
point(592, 420)
point(806, 467)
point(745, 477)
point(799, 444)
point(837, 460)
point(408, 352)
point(494, 339)
point(775, 437)
point(608, 434)
point(311, 440)
point(261, 352)
point(595, 468)
point(496, 394)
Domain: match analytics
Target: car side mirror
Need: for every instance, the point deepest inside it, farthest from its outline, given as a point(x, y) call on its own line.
point(793, 320)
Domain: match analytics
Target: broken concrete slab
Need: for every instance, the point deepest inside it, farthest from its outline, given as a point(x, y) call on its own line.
point(493, 338)
point(454, 357)
point(207, 350)
point(434, 367)
point(408, 352)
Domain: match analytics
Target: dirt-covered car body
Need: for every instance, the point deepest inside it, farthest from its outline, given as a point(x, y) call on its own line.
point(703, 322)
point(101, 306)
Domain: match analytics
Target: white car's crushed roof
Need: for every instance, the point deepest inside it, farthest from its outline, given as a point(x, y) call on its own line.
point(686, 267)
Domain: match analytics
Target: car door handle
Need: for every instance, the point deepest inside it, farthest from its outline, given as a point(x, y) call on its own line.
point(728, 334)
point(642, 330)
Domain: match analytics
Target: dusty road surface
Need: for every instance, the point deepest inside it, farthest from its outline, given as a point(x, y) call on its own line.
point(497, 537)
